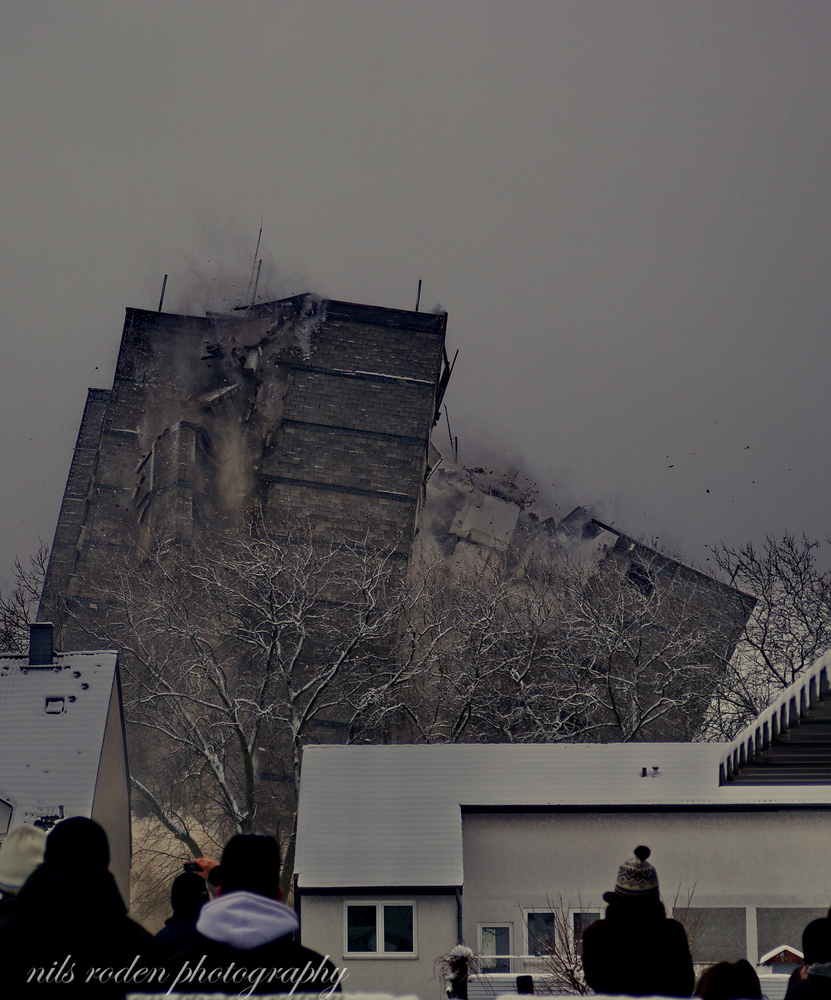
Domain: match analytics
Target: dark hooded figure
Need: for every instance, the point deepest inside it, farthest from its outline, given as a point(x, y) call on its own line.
point(70, 924)
point(245, 936)
point(812, 981)
point(636, 950)
point(187, 896)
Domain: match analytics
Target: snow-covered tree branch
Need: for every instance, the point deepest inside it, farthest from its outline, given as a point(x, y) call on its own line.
point(789, 629)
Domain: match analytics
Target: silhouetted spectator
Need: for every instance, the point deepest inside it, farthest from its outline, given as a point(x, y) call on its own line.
point(816, 941)
point(812, 981)
point(636, 950)
point(247, 928)
point(729, 981)
point(187, 896)
point(70, 924)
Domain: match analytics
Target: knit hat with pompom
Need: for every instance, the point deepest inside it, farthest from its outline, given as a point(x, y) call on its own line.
point(636, 879)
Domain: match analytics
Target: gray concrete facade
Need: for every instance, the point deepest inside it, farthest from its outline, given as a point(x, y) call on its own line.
point(303, 407)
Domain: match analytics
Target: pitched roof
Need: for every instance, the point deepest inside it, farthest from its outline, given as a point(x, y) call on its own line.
point(52, 721)
point(392, 815)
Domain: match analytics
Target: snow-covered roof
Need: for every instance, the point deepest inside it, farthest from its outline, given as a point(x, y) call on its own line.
point(770, 955)
point(52, 722)
point(392, 815)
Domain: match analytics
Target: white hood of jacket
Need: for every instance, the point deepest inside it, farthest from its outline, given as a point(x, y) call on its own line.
point(246, 920)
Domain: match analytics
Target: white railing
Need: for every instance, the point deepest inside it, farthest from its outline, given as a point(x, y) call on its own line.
point(785, 712)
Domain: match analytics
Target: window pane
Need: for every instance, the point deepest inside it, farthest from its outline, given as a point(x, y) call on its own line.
point(360, 928)
point(541, 936)
point(580, 922)
point(398, 928)
point(496, 941)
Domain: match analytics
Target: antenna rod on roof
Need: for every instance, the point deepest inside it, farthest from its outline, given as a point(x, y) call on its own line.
point(254, 272)
point(454, 442)
point(418, 295)
point(161, 297)
point(254, 295)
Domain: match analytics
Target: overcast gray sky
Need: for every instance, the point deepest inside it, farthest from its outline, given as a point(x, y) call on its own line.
point(623, 205)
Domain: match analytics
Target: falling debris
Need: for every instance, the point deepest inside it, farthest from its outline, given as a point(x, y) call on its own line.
point(472, 517)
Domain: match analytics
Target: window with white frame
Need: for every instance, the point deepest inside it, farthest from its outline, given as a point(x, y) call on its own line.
point(580, 920)
point(378, 929)
point(495, 947)
point(540, 932)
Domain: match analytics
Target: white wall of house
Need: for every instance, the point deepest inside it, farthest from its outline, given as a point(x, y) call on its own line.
point(749, 859)
point(766, 872)
point(323, 922)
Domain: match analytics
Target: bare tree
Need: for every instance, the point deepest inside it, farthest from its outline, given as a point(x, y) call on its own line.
point(560, 956)
point(232, 653)
point(238, 651)
point(472, 645)
point(19, 607)
point(560, 651)
point(694, 921)
point(645, 651)
point(790, 628)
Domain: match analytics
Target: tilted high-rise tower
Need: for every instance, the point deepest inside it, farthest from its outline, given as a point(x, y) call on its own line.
point(302, 406)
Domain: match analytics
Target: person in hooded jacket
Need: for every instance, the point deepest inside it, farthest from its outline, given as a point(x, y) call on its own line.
point(245, 935)
point(188, 894)
point(70, 919)
point(636, 950)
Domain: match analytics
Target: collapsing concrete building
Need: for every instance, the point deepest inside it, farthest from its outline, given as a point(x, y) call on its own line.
point(315, 409)
point(301, 406)
point(647, 634)
point(474, 515)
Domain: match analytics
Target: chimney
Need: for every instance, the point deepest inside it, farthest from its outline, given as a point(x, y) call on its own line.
point(41, 644)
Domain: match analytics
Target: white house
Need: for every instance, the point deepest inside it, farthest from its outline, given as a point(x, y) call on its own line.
point(62, 749)
point(403, 850)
